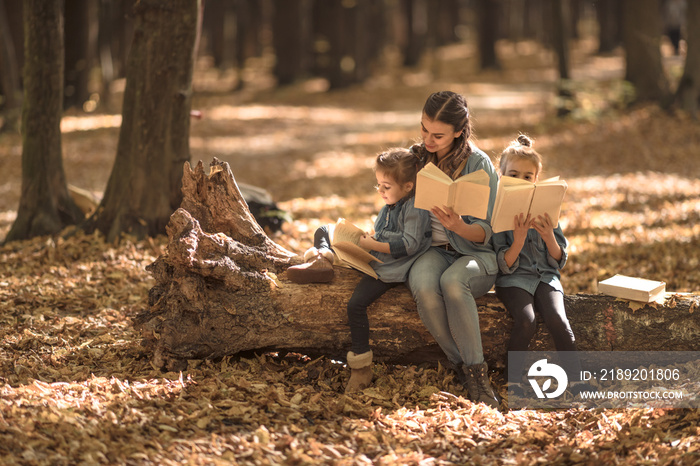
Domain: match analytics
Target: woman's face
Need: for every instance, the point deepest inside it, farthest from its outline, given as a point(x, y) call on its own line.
point(390, 190)
point(438, 137)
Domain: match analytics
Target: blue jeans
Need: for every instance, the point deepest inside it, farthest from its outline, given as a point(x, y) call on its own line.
point(444, 285)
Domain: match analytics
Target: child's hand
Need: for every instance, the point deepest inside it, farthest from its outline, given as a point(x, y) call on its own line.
point(366, 241)
point(520, 227)
point(544, 226)
point(447, 217)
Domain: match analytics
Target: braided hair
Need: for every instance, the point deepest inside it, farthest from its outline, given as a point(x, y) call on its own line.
point(450, 108)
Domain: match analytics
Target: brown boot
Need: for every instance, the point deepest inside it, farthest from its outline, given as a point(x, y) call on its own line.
point(360, 371)
point(319, 269)
point(478, 384)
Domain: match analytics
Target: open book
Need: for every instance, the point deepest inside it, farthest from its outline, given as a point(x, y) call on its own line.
point(632, 288)
point(516, 196)
point(467, 195)
point(345, 241)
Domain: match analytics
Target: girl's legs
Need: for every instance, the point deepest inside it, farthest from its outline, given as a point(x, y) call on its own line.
point(521, 305)
point(322, 238)
point(367, 291)
point(319, 259)
point(550, 304)
point(360, 356)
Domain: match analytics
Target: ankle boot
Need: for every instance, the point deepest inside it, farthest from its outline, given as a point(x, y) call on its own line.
point(360, 371)
point(478, 384)
point(319, 269)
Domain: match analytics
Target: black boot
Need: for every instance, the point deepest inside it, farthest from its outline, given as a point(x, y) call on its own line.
point(478, 384)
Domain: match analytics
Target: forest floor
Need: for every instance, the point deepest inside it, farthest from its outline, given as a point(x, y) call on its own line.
point(77, 388)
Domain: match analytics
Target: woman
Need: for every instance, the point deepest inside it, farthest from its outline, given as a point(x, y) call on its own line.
point(461, 263)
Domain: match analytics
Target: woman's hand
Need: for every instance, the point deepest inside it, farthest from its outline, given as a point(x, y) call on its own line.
point(448, 218)
point(454, 222)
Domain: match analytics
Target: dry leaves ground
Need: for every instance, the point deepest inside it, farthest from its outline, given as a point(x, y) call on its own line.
point(77, 388)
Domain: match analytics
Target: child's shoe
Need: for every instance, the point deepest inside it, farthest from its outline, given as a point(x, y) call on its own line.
point(317, 269)
point(361, 371)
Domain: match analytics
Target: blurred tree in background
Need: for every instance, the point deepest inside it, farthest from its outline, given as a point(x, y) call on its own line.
point(45, 205)
point(338, 42)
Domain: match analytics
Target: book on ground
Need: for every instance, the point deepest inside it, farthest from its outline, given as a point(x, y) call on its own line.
point(632, 288)
point(467, 195)
point(345, 241)
point(516, 196)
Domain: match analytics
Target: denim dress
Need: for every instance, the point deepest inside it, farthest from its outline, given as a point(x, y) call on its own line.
point(408, 232)
point(534, 265)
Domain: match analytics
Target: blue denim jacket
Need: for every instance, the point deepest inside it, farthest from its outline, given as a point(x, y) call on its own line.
point(483, 252)
point(407, 230)
point(533, 265)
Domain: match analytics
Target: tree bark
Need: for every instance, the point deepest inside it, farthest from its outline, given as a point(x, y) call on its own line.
point(642, 37)
point(81, 31)
point(561, 13)
point(291, 26)
point(688, 93)
point(221, 289)
point(144, 185)
point(608, 13)
point(9, 70)
point(45, 207)
point(487, 15)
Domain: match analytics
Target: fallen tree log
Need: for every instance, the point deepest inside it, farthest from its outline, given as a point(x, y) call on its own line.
point(221, 290)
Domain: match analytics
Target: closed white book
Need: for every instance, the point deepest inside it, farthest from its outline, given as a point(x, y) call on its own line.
point(632, 288)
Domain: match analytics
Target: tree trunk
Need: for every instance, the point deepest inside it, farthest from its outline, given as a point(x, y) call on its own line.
point(221, 289)
point(642, 33)
point(9, 71)
point(144, 187)
point(561, 13)
point(416, 17)
point(290, 26)
point(81, 46)
point(487, 15)
point(688, 92)
point(608, 13)
point(45, 207)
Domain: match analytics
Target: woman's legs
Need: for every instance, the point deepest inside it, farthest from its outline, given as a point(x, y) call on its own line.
point(444, 287)
point(461, 283)
point(424, 282)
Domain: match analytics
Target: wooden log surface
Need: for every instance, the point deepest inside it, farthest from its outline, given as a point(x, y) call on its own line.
point(221, 289)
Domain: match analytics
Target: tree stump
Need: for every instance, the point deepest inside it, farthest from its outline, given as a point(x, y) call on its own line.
point(221, 290)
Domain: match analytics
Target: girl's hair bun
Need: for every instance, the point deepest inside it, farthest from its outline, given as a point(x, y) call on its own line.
point(524, 141)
